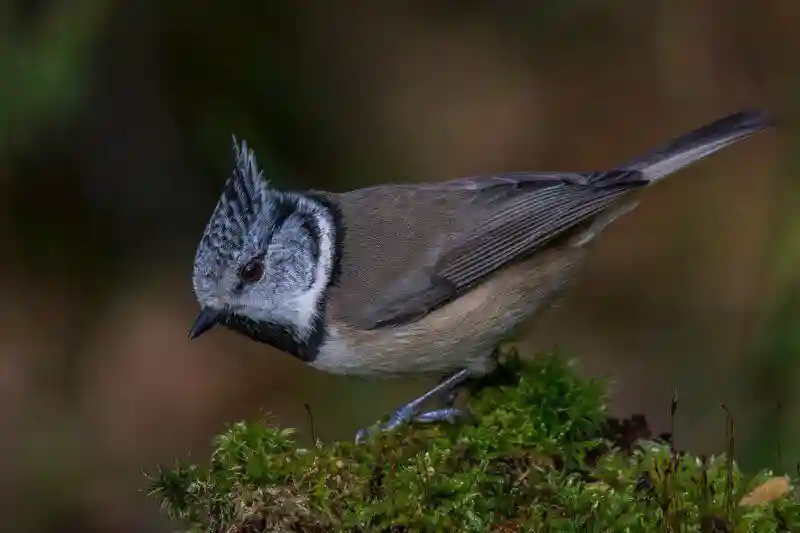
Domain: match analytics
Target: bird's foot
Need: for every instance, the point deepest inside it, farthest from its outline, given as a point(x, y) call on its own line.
point(411, 411)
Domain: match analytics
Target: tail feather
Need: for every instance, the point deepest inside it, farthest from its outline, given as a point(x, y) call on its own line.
point(692, 147)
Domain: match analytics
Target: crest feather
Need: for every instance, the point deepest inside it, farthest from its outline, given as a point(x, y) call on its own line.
point(239, 205)
point(244, 191)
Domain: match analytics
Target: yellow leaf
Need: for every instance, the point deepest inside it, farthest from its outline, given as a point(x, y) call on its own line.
point(770, 490)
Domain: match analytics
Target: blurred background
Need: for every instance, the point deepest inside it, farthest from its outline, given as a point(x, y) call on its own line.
point(117, 118)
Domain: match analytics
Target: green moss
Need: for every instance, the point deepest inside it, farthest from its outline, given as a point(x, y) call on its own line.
point(540, 454)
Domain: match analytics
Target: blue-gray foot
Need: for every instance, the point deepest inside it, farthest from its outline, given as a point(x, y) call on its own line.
point(411, 411)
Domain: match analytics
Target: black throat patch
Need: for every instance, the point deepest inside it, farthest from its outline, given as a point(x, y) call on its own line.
point(283, 338)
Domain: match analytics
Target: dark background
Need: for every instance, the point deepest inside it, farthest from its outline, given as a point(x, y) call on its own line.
point(115, 127)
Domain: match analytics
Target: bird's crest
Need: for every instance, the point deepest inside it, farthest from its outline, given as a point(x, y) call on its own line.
point(242, 199)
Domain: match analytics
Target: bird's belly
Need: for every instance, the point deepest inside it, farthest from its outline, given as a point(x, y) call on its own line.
point(406, 351)
point(462, 334)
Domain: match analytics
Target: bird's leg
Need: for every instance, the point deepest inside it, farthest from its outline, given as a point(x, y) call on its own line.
point(411, 410)
point(502, 374)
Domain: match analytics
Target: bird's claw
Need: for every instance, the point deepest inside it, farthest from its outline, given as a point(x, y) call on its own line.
point(409, 411)
point(405, 414)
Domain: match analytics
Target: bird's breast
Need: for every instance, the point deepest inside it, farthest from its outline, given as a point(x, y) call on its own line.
point(461, 334)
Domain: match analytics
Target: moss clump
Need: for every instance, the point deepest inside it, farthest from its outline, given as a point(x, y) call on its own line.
point(540, 454)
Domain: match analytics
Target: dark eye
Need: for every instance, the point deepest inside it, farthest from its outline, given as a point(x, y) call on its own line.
point(252, 271)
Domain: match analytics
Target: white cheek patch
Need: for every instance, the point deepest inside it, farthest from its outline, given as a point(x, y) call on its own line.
point(297, 307)
point(307, 305)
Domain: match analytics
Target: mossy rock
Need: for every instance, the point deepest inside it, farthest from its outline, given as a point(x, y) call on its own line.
point(540, 454)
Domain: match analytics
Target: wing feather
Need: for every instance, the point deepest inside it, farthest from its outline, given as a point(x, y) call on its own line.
point(524, 220)
point(486, 222)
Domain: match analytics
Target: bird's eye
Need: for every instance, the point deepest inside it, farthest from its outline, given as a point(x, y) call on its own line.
point(252, 271)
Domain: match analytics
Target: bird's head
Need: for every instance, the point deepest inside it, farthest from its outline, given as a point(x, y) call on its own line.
point(265, 261)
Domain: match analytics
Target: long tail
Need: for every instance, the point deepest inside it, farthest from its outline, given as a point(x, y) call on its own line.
point(689, 148)
point(670, 158)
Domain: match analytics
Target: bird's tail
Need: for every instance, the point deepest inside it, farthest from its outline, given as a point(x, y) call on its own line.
point(689, 148)
point(669, 158)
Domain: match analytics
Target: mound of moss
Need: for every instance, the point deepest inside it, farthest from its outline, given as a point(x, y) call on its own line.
point(540, 454)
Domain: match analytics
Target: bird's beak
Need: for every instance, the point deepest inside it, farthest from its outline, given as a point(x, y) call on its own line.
point(207, 319)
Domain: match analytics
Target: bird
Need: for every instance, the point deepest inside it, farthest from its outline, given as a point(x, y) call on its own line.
point(405, 279)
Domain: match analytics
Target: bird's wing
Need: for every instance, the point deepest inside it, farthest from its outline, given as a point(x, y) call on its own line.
point(410, 249)
point(498, 220)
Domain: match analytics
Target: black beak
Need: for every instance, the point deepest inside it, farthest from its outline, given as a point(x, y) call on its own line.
point(207, 319)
